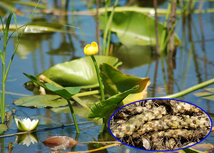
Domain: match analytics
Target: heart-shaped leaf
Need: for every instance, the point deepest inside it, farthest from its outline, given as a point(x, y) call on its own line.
point(79, 72)
point(124, 82)
point(102, 109)
point(60, 142)
point(135, 28)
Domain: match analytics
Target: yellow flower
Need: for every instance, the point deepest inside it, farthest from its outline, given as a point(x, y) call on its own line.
point(91, 49)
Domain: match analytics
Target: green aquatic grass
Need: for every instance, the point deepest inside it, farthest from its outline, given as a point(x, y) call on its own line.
point(107, 32)
point(5, 69)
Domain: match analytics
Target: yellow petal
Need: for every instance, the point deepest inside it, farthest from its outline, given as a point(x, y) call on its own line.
point(91, 49)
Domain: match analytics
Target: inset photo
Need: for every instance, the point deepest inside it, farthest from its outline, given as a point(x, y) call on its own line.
point(160, 124)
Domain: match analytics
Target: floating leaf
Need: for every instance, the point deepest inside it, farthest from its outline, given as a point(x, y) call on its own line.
point(124, 82)
point(80, 111)
point(32, 4)
point(135, 28)
point(41, 101)
point(103, 109)
point(60, 142)
point(79, 72)
point(3, 128)
point(146, 10)
point(208, 94)
point(210, 90)
point(10, 7)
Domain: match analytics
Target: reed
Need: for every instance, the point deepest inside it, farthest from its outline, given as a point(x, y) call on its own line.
point(107, 32)
point(5, 69)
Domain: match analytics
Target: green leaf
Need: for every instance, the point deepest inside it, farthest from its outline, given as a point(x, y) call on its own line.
point(124, 82)
point(190, 150)
point(80, 111)
point(41, 101)
point(102, 109)
point(34, 79)
point(210, 90)
point(145, 10)
point(109, 85)
point(3, 128)
point(135, 28)
point(10, 7)
point(202, 94)
point(65, 92)
point(80, 72)
point(208, 94)
point(32, 4)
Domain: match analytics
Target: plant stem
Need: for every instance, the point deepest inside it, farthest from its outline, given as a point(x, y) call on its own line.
point(165, 27)
point(191, 89)
point(103, 128)
point(173, 27)
point(156, 28)
point(73, 115)
point(101, 90)
point(98, 77)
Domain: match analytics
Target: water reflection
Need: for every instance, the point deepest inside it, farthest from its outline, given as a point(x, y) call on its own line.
point(26, 139)
point(134, 56)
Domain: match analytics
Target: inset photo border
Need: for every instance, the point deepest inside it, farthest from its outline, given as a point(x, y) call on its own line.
point(160, 124)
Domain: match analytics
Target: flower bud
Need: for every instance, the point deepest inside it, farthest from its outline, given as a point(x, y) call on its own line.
point(91, 49)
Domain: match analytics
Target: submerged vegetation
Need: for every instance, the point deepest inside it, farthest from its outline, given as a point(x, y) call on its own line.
point(91, 87)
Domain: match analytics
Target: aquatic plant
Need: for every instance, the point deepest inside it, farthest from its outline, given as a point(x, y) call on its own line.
point(66, 93)
point(6, 37)
point(92, 50)
point(5, 30)
point(27, 124)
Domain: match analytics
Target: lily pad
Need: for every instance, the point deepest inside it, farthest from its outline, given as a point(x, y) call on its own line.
point(79, 72)
point(41, 101)
point(135, 28)
point(80, 111)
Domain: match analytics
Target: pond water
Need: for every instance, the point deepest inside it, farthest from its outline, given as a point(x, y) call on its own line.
point(193, 64)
